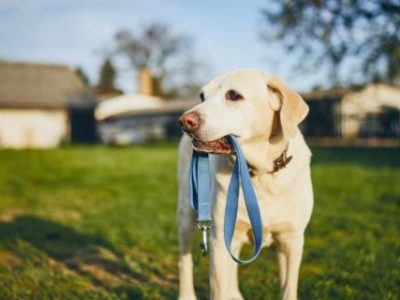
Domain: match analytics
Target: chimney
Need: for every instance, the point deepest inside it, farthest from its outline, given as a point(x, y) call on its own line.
point(145, 82)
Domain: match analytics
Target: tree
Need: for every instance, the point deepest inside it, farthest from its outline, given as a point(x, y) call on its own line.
point(334, 31)
point(82, 76)
point(166, 54)
point(107, 77)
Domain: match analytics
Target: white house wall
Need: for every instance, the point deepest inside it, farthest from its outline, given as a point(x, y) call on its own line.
point(32, 128)
point(134, 130)
point(371, 99)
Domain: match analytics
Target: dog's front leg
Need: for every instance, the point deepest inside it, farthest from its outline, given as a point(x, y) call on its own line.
point(282, 264)
point(234, 292)
point(185, 232)
point(221, 270)
point(290, 250)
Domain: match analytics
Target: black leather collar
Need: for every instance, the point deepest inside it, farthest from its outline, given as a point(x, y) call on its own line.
point(282, 161)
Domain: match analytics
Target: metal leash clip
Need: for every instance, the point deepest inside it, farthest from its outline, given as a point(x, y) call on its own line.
point(204, 226)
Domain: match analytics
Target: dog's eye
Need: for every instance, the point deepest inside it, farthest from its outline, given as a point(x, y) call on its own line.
point(202, 98)
point(233, 95)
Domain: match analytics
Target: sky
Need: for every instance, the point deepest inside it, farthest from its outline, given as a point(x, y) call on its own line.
point(76, 32)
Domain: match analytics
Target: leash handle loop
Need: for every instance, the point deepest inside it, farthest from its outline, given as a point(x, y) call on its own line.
point(241, 176)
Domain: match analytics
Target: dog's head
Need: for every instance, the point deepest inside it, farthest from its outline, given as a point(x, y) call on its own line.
point(245, 103)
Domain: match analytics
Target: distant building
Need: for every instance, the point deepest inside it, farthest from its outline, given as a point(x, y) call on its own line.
point(139, 118)
point(142, 117)
point(43, 105)
point(369, 111)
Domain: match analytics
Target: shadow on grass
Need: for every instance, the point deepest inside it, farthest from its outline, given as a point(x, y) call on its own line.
point(90, 256)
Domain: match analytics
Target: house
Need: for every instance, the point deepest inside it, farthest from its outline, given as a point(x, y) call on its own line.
point(369, 111)
point(142, 117)
point(139, 118)
point(43, 105)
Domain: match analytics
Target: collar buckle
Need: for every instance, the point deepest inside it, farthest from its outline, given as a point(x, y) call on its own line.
point(282, 161)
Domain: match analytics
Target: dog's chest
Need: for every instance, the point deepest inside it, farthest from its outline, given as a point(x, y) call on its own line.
point(271, 202)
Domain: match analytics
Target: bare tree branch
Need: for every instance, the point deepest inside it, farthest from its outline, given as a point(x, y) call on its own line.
point(164, 53)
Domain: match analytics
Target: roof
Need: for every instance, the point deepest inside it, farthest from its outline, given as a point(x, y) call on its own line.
point(334, 93)
point(339, 92)
point(137, 104)
point(126, 103)
point(32, 85)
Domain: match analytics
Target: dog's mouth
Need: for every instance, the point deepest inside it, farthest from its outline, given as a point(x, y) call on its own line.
point(218, 146)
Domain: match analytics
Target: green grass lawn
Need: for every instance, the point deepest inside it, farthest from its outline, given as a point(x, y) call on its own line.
point(100, 223)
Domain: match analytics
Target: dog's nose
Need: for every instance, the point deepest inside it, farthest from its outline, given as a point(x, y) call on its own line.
point(190, 121)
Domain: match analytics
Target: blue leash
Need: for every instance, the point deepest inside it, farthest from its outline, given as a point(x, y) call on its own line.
point(200, 196)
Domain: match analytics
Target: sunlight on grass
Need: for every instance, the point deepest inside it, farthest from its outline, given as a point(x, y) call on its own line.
point(99, 223)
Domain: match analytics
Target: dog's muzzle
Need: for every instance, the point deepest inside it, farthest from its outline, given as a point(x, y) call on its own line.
point(218, 146)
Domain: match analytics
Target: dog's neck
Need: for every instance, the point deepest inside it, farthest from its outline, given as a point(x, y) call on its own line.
point(271, 151)
point(262, 153)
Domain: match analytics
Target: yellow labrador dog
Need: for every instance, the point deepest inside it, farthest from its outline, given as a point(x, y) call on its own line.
point(264, 114)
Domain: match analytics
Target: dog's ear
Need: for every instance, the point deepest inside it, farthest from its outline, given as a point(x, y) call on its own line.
point(293, 108)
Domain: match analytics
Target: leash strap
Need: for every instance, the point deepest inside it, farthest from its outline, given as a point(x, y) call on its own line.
point(200, 186)
point(200, 196)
